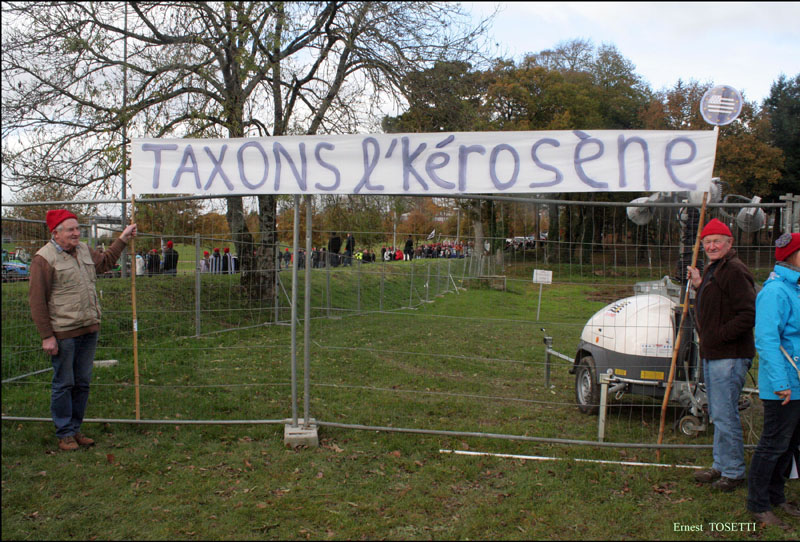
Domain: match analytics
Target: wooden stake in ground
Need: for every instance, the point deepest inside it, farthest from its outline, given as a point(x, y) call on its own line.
point(133, 305)
point(677, 347)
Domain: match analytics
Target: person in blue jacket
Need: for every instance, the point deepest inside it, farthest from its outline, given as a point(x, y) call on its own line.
point(778, 345)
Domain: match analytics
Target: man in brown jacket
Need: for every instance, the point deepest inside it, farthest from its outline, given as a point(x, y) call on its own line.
point(725, 313)
point(66, 311)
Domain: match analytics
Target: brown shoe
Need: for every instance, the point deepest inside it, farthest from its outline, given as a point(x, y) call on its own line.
point(769, 518)
point(707, 476)
point(67, 444)
point(728, 484)
point(789, 508)
point(83, 440)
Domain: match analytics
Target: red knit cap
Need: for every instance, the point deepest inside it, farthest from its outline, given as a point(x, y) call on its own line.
point(227, 250)
point(786, 245)
point(57, 216)
point(715, 227)
point(169, 244)
point(216, 250)
point(205, 253)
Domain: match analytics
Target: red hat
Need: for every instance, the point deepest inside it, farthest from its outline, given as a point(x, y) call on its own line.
point(715, 227)
point(227, 250)
point(205, 253)
point(57, 216)
point(216, 250)
point(786, 245)
point(169, 244)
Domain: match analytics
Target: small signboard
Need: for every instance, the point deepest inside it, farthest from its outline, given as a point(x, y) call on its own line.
point(721, 105)
point(540, 276)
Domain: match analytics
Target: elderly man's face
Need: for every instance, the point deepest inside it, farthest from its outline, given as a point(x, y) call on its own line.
point(67, 234)
point(717, 246)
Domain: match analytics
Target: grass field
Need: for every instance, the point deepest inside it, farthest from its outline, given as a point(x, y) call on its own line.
point(470, 361)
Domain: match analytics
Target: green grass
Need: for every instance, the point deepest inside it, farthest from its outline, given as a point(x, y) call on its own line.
point(469, 361)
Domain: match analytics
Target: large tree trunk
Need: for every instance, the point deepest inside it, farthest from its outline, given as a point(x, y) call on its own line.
point(260, 280)
point(256, 261)
point(475, 214)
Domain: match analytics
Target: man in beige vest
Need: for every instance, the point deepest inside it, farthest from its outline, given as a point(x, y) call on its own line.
point(66, 311)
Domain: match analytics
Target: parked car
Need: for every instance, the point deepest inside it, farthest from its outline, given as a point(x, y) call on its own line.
point(15, 271)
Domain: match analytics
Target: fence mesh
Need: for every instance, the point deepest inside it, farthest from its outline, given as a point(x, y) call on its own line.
point(451, 339)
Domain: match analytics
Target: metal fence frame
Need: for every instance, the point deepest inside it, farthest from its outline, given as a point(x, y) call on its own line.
point(791, 207)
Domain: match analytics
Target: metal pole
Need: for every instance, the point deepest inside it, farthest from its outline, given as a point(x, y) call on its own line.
point(539, 308)
point(307, 319)
point(358, 284)
point(277, 302)
point(448, 274)
point(383, 273)
point(328, 282)
point(411, 287)
point(135, 321)
point(601, 421)
point(548, 341)
point(428, 283)
point(296, 239)
point(196, 284)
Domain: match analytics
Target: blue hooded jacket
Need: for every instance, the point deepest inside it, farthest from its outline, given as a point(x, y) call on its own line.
point(778, 323)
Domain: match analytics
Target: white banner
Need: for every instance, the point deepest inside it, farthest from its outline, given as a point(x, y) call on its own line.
point(435, 164)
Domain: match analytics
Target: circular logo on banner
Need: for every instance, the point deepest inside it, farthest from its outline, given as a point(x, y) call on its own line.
point(721, 105)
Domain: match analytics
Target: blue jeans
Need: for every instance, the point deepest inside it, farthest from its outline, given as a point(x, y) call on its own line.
point(773, 456)
point(724, 382)
point(72, 373)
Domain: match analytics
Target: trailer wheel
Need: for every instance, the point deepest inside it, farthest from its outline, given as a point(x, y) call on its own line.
point(689, 425)
point(587, 390)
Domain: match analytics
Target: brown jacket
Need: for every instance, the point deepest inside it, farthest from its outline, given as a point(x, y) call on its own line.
point(726, 310)
point(62, 293)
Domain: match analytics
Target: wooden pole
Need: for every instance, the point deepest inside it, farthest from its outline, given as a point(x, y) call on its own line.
point(133, 305)
point(677, 346)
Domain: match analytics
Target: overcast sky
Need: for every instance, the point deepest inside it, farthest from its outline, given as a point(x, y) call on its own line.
point(746, 45)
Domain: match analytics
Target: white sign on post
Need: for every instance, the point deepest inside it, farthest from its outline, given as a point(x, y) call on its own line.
point(541, 277)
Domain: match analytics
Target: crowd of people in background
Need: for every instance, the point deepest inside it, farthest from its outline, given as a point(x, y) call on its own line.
point(222, 261)
point(333, 256)
point(151, 263)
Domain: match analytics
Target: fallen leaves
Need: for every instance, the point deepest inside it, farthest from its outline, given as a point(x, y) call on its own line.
point(332, 446)
point(666, 491)
point(663, 489)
